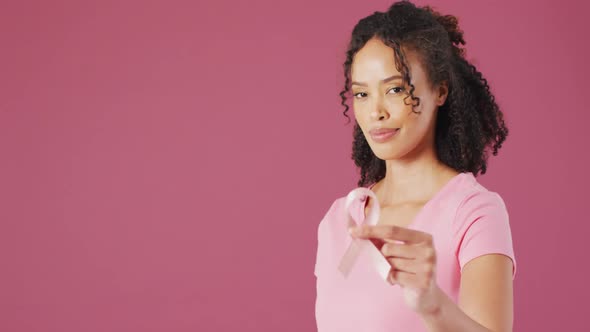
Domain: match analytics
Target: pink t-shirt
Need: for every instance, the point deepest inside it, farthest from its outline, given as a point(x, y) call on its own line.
point(464, 218)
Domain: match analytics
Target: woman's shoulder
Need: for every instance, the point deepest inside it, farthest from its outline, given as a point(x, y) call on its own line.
point(337, 212)
point(475, 194)
point(475, 202)
point(336, 208)
point(339, 203)
point(466, 199)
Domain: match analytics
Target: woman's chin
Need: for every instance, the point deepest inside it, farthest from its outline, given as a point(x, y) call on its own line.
point(388, 154)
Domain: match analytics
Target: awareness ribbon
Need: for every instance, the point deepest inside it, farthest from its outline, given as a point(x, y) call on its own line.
point(357, 246)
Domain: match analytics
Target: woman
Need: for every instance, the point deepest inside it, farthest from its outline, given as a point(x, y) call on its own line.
point(425, 121)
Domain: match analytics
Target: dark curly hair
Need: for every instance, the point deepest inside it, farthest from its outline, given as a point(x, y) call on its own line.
point(468, 123)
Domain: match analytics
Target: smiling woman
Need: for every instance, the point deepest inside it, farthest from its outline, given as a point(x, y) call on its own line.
point(425, 123)
point(390, 98)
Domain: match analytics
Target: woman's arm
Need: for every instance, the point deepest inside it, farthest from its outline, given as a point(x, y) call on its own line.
point(485, 299)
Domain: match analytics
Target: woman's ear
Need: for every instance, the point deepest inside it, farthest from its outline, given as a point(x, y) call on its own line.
point(443, 92)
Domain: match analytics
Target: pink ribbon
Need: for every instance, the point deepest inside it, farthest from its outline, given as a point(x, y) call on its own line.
point(357, 246)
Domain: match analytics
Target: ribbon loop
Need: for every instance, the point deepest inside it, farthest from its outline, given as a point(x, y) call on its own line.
point(357, 246)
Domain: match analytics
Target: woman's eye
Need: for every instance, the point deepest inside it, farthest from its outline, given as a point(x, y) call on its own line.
point(397, 89)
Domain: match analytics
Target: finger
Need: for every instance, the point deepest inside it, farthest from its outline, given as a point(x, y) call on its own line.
point(404, 265)
point(391, 249)
point(390, 232)
point(410, 280)
point(427, 254)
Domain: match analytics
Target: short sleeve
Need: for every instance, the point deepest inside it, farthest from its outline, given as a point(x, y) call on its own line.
point(321, 234)
point(483, 227)
point(317, 256)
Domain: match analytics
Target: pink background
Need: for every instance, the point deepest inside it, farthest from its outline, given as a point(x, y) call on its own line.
point(165, 164)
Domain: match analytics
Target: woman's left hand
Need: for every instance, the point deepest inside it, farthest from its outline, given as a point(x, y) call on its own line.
point(413, 263)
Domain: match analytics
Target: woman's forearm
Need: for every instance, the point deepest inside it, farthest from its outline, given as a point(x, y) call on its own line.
point(448, 317)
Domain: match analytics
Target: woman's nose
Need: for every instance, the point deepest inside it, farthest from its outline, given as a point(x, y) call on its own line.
point(379, 111)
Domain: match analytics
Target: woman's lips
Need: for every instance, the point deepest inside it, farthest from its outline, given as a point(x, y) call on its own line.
point(382, 135)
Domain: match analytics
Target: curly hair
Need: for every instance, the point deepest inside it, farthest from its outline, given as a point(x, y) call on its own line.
point(468, 124)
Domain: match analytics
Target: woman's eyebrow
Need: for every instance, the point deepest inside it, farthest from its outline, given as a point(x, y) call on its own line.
point(385, 80)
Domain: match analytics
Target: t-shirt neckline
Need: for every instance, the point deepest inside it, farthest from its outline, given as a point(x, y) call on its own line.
point(426, 205)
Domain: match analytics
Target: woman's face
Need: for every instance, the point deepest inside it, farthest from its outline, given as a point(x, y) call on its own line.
point(378, 102)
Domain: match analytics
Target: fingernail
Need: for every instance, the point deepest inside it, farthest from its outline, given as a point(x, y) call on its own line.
point(390, 279)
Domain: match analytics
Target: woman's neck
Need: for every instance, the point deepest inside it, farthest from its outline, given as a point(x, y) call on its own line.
point(415, 180)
